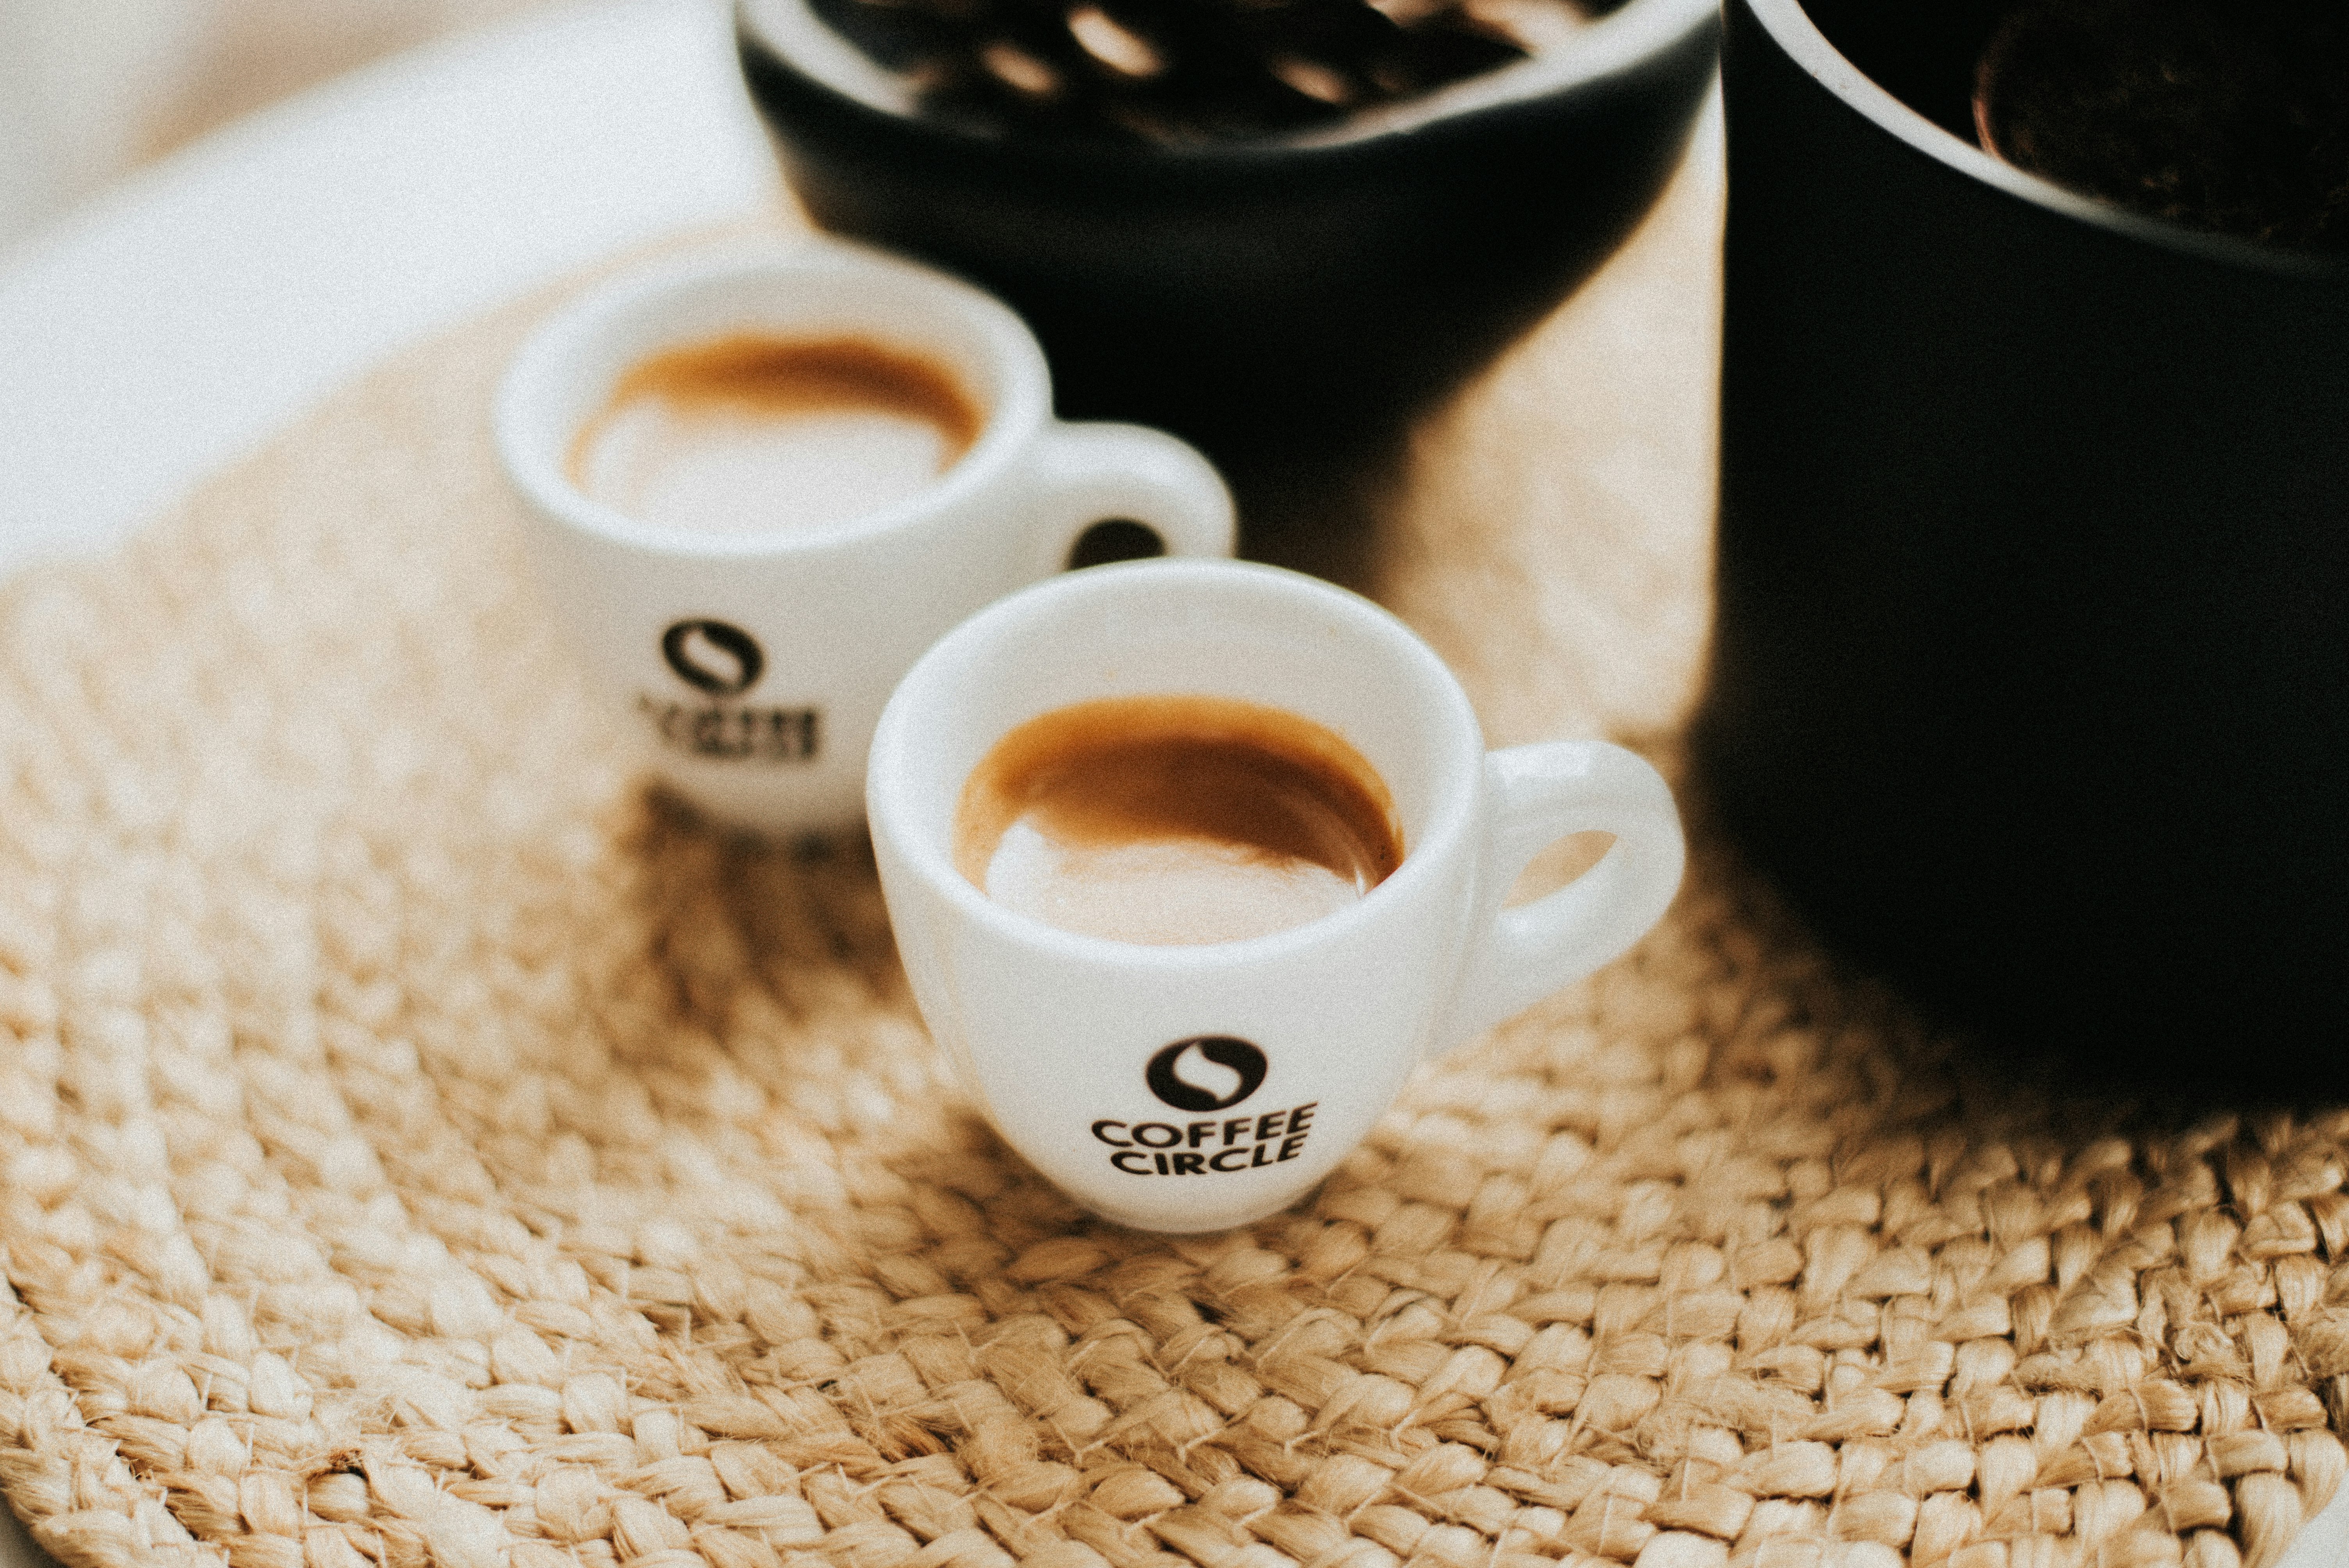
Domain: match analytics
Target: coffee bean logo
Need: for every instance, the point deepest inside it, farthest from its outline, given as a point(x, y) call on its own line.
point(713, 657)
point(1206, 1072)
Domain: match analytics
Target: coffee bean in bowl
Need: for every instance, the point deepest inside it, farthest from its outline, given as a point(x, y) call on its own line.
point(1269, 225)
point(1187, 72)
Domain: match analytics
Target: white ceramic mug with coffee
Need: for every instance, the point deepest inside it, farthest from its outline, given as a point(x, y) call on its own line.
point(1190, 863)
point(761, 484)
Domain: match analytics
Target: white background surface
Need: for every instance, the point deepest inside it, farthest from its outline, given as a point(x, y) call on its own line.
point(90, 90)
point(165, 329)
point(190, 312)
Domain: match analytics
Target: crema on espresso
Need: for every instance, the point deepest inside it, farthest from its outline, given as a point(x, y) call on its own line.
point(1175, 820)
point(753, 434)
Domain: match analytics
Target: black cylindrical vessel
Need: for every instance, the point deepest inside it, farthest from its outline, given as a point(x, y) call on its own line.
point(2030, 674)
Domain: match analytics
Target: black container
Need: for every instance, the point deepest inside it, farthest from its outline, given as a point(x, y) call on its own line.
point(1295, 292)
point(2031, 677)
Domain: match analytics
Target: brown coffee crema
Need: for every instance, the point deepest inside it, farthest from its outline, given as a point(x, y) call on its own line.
point(754, 433)
point(1175, 820)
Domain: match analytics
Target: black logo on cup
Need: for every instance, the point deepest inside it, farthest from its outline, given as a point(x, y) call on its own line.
point(1194, 1074)
point(713, 657)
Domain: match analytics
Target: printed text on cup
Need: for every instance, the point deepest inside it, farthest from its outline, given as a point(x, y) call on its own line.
point(1206, 1073)
point(720, 661)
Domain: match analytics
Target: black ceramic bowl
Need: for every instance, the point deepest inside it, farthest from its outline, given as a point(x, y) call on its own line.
point(1297, 290)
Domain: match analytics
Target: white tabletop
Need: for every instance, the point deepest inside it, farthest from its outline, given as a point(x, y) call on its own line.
point(166, 329)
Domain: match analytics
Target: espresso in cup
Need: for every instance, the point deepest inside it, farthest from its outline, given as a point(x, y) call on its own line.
point(1170, 731)
point(1174, 819)
point(753, 434)
point(757, 485)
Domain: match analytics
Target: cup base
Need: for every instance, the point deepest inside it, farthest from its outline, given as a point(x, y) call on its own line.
point(1224, 1218)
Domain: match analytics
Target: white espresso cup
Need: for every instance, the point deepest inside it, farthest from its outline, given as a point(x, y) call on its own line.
point(1194, 1088)
point(752, 664)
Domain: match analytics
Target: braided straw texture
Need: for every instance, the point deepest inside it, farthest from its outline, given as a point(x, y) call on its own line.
point(418, 1146)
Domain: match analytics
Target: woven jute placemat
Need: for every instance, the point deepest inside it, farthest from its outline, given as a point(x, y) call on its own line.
point(420, 1145)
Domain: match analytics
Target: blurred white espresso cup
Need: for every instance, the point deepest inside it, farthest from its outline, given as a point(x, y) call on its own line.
point(713, 460)
point(1190, 1086)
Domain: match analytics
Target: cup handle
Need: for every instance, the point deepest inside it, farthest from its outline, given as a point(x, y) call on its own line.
point(1539, 794)
point(1090, 473)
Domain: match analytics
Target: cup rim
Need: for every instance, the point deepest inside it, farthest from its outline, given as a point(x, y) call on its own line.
point(1450, 818)
point(543, 365)
point(1632, 34)
point(1789, 25)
